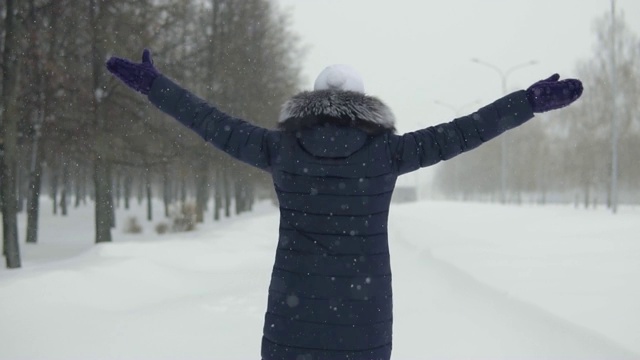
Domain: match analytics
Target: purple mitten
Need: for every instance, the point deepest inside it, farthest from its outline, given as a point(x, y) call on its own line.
point(139, 77)
point(551, 94)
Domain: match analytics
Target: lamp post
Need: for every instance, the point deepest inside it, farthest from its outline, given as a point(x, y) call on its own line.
point(504, 74)
point(613, 198)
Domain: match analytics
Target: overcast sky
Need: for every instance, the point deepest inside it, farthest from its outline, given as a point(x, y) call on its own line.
point(412, 53)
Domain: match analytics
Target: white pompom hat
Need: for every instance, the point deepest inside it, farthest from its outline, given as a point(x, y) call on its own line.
point(339, 77)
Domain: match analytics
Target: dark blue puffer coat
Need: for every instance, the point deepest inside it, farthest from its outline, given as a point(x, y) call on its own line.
point(334, 161)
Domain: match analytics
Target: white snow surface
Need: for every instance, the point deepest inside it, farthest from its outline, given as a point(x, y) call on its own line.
point(471, 281)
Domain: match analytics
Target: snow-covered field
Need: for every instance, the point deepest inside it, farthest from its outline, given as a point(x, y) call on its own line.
point(471, 281)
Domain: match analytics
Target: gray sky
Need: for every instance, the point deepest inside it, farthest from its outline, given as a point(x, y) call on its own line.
point(414, 52)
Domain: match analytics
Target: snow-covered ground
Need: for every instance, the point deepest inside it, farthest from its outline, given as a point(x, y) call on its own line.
point(471, 281)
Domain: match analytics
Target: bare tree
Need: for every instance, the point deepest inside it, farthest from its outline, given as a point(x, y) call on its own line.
point(72, 119)
point(9, 119)
point(569, 152)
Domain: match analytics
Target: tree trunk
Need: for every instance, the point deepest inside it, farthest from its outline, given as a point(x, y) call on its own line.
point(54, 189)
point(81, 188)
point(20, 188)
point(128, 180)
point(118, 193)
point(166, 183)
point(202, 189)
point(111, 208)
point(103, 216)
point(148, 191)
point(251, 196)
point(227, 193)
point(238, 189)
point(217, 200)
point(587, 196)
point(183, 189)
point(35, 182)
point(8, 117)
point(76, 188)
point(141, 188)
point(76, 183)
point(241, 193)
point(543, 197)
point(101, 179)
point(65, 187)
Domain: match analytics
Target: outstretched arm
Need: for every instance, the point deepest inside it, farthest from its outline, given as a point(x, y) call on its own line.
point(236, 137)
point(429, 146)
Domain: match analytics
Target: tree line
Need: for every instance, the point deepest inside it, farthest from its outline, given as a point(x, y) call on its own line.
point(69, 129)
point(567, 155)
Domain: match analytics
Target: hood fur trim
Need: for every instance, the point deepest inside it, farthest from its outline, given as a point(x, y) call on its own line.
point(345, 108)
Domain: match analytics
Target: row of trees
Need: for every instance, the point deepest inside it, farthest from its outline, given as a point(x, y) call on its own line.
point(72, 129)
point(567, 155)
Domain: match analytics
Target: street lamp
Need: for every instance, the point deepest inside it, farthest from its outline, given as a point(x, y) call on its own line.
point(503, 141)
point(613, 200)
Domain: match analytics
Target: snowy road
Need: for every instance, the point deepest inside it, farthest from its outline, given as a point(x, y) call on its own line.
point(464, 289)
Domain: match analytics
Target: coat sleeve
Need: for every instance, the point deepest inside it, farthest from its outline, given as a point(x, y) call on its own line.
point(238, 138)
point(431, 145)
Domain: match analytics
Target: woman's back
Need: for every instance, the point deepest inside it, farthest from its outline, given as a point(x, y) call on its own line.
point(331, 280)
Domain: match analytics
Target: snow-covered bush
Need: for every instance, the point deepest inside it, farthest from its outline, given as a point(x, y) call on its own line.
point(131, 226)
point(162, 228)
point(184, 218)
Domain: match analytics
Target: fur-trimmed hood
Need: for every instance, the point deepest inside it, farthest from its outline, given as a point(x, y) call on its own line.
point(344, 108)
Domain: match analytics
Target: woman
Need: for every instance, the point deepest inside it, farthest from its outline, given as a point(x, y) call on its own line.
point(334, 160)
